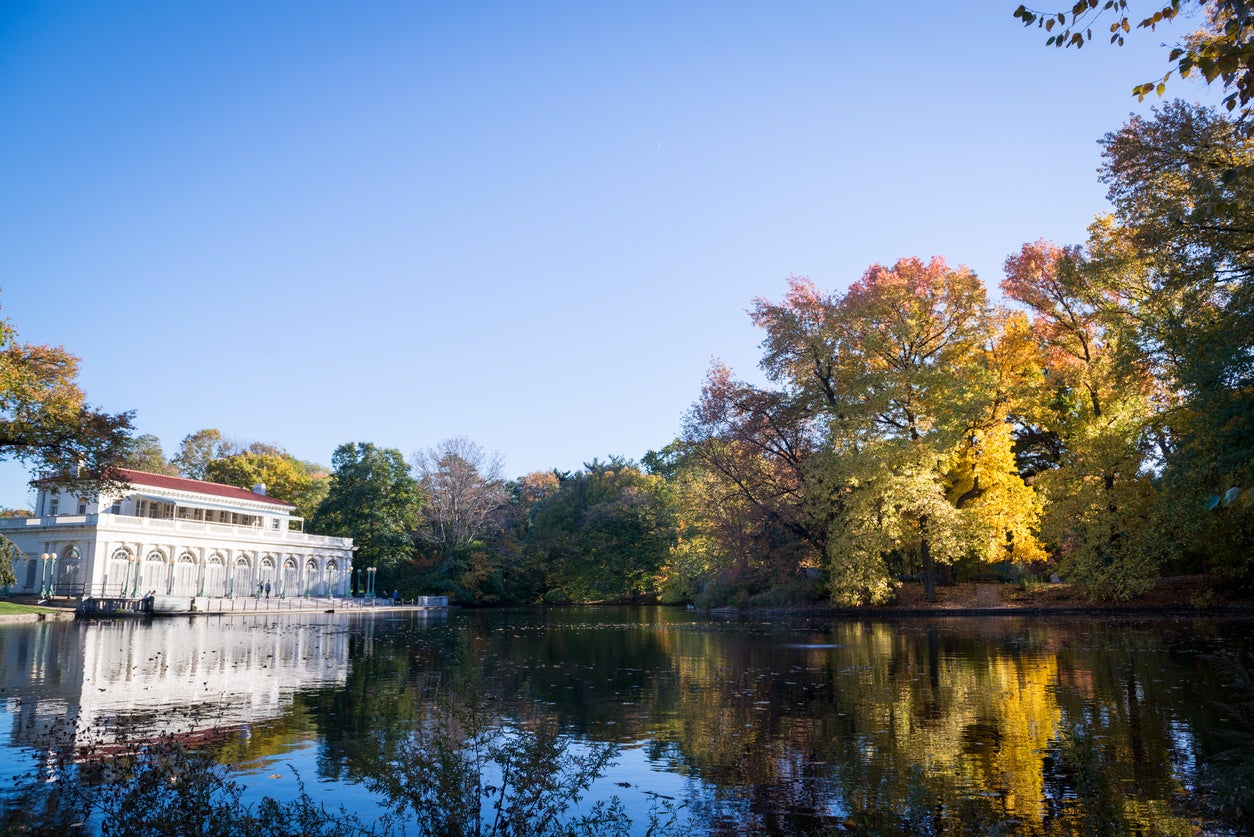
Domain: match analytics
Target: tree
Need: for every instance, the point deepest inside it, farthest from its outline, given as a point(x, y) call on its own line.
point(1147, 333)
point(909, 383)
point(912, 380)
point(1222, 49)
point(374, 500)
point(756, 510)
point(46, 423)
point(463, 489)
point(1182, 186)
point(604, 534)
point(198, 450)
point(1103, 398)
point(284, 477)
point(145, 454)
point(464, 511)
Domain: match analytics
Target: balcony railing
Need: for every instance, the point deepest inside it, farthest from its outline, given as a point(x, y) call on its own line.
point(126, 522)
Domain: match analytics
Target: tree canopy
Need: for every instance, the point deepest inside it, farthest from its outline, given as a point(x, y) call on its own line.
point(374, 500)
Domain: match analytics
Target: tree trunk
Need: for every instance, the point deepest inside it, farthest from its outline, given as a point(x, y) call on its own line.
point(925, 557)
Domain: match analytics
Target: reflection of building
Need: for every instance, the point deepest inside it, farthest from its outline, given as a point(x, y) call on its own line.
point(175, 536)
point(128, 677)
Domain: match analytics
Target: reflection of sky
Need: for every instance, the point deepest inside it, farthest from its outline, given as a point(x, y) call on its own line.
point(639, 781)
point(280, 777)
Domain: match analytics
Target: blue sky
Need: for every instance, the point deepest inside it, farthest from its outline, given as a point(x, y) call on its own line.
point(534, 225)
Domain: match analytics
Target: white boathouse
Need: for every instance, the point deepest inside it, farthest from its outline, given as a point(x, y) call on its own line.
point(177, 537)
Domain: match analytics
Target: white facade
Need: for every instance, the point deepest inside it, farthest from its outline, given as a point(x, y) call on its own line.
point(174, 536)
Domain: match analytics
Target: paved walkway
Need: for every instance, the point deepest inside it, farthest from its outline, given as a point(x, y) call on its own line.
point(186, 605)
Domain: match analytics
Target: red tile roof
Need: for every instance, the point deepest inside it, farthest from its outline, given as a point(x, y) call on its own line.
point(143, 478)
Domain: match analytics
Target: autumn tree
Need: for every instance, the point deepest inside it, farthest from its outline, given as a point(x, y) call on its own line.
point(910, 387)
point(375, 500)
point(1101, 400)
point(283, 476)
point(46, 423)
point(464, 552)
point(911, 379)
point(754, 512)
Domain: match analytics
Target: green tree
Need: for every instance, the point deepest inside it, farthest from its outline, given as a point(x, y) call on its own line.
point(1182, 186)
point(198, 450)
point(145, 454)
point(604, 533)
point(374, 500)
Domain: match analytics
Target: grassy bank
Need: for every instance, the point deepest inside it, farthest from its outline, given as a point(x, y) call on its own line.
point(15, 609)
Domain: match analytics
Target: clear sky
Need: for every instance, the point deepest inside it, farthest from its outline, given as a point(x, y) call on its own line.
point(532, 224)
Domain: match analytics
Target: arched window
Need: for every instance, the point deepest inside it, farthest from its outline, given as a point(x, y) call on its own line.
point(183, 580)
point(118, 571)
point(155, 576)
point(67, 573)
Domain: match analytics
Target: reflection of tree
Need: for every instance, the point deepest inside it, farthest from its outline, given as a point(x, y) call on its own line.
point(917, 730)
point(792, 728)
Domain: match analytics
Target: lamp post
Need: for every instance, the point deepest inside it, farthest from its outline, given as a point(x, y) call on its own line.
point(46, 573)
point(370, 571)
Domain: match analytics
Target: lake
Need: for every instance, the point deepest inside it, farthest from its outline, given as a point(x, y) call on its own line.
point(780, 725)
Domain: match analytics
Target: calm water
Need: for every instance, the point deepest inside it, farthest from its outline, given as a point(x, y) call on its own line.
point(784, 726)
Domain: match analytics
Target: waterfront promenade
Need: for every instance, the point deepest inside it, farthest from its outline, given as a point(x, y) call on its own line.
point(126, 606)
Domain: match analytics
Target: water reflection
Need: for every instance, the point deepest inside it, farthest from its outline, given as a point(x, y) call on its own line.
point(1015, 725)
point(164, 675)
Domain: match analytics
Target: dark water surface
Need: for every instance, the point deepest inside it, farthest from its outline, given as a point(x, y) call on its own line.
point(787, 725)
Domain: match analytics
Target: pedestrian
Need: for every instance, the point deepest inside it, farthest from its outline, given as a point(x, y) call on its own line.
point(267, 589)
